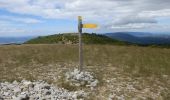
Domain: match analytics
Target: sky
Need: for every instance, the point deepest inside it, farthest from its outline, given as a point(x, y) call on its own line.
point(44, 17)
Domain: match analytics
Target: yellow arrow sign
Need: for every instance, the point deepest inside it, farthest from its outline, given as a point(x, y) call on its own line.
point(89, 26)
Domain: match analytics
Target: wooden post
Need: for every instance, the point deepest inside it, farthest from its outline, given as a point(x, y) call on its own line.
point(80, 43)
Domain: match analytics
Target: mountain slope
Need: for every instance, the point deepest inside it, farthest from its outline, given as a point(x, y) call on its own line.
point(141, 38)
point(72, 38)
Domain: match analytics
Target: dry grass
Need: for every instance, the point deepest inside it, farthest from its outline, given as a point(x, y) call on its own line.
point(142, 67)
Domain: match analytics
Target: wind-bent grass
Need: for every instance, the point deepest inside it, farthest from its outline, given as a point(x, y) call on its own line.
point(132, 59)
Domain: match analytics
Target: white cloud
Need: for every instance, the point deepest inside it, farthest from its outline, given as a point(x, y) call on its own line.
point(8, 29)
point(11, 30)
point(132, 20)
point(20, 19)
point(134, 26)
point(157, 13)
point(111, 13)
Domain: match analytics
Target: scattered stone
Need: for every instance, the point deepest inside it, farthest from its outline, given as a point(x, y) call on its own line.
point(47, 87)
point(123, 88)
point(39, 90)
point(77, 78)
point(165, 76)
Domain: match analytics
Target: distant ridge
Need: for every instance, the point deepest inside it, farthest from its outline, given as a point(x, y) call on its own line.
point(141, 38)
point(14, 40)
point(72, 38)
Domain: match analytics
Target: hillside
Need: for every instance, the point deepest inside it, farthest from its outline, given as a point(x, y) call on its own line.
point(72, 38)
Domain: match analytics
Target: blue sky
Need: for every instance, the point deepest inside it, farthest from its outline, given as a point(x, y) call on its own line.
point(44, 27)
point(43, 17)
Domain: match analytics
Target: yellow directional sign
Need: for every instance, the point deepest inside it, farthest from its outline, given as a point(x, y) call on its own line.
point(89, 26)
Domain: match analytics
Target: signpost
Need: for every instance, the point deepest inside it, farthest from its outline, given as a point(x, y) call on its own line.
point(80, 26)
point(80, 43)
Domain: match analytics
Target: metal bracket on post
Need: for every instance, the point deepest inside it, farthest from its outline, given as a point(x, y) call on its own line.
point(80, 43)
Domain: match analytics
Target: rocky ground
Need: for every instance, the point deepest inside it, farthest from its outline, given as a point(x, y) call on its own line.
point(38, 90)
point(83, 78)
point(62, 82)
point(126, 88)
point(119, 72)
